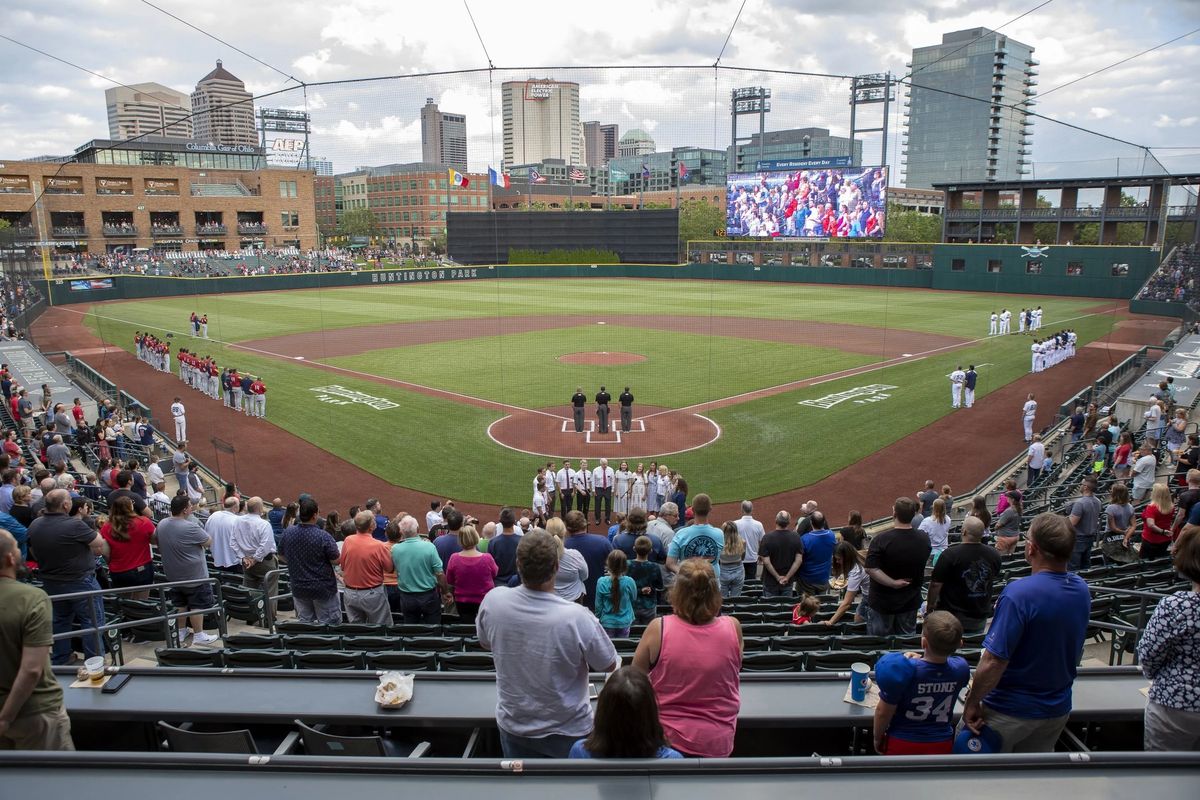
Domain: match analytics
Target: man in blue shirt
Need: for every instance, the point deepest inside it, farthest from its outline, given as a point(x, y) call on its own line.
point(593, 547)
point(1022, 687)
point(447, 543)
point(275, 516)
point(381, 521)
point(310, 554)
point(817, 548)
point(698, 540)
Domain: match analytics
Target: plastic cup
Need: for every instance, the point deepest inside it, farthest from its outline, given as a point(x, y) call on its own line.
point(95, 668)
point(859, 674)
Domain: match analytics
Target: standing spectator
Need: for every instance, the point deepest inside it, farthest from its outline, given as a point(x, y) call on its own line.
point(964, 578)
point(447, 542)
point(434, 516)
point(693, 657)
point(648, 577)
point(1170, 655)
point(751, 531)
point(128, 536)
point(1157, 518)
point(66, 550)
point(572, 569)
point(1022, 687)
point(275, 516)
point(1085, 519)
point(310, 553)
point(365, 560)
point(615, 594)
point(896, 563)
point(816, 549)
point(1008, 525)
point(1119, 522)
point(594, 549)
point(733, 573)
point(32, 716)
point(181, 543)
point(1144, 470)
point(698, 540)
point(627, 723)
point(634, 528)
point(848, 565)
point(1035, 460)
point(853, 531)
point(926, 498)
point(254, 545)
point(780, 552)
point(503, 548)
point(1184, 502)
point(419, 575)
point(1123, 458)
point(544, 649)
point(220, 527)
point(470, 574)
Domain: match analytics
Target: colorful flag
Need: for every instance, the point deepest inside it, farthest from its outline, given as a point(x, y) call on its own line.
point(498, 178)
point(577, 174)
point(535, 176)
point(645, 172)
point(683, 172)
point(617, 175)
point(458, 179)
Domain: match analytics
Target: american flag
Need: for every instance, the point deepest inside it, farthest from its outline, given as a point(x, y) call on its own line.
point(536, 177)
point(577, 174)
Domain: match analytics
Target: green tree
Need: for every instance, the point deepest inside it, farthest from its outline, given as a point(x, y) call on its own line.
point(359, 222)
point(911, 226)
point(6, 235)
point(438, 244)
point(699, 220)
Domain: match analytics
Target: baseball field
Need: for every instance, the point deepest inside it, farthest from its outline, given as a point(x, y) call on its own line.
point(462, 388)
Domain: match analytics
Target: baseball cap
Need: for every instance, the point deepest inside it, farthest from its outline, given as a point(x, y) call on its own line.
point(893, 673)
point(967, 742)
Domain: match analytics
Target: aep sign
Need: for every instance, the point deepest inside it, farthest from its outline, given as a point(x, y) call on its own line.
point(539, 91)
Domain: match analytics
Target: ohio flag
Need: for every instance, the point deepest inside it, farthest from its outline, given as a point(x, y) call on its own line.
point(458, 179)
point(498, 178)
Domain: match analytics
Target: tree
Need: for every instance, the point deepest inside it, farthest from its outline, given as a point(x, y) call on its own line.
point(437, 244)
point(911, 226)
point(699, 220)
point(359, 222)
point(6, 235)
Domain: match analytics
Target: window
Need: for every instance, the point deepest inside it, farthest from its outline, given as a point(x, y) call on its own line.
point(287, 188)
point(290, 219)
point(1033, 268)
point(995, 265)
point(958, 265)
point(1120, 270)
point(1075, 268)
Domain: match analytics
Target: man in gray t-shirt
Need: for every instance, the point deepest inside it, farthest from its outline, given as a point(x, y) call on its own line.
point(181, 543)
point(544, 648)
point(1085, 518)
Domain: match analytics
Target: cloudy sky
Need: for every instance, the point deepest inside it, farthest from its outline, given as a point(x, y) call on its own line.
point(48, 107)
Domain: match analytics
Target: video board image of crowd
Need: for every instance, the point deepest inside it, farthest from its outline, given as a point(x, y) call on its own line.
point(845, 203)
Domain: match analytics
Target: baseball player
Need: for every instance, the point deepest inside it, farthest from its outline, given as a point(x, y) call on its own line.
point(178, 413)
point(992, 330)
point(969, 386)
point(235, 389)
point(1035, 356)
point(247, 397)
point(204, 326)
point(957, 379)
point(1028, 412)
point(1021, 320)
point(1037, 318)
point(1005, 322)
point(258, 393)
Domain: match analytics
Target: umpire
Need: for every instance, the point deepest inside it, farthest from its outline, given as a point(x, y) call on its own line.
point(578, 401)
point(626, 400)
point(602, 398)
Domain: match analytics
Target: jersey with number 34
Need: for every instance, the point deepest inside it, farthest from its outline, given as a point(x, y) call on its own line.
point(925, 706)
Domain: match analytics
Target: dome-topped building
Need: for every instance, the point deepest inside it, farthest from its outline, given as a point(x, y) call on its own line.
point(635, 142)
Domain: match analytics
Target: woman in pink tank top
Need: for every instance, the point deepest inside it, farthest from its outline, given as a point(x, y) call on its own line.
point(693, 658)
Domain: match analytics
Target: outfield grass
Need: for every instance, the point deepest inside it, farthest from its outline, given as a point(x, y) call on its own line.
point(770, 444)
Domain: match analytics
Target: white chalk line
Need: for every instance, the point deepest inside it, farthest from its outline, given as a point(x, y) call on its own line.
point(593, 455)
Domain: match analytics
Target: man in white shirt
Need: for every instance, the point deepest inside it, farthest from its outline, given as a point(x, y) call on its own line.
point(178, 414)
point(751, 531)
point(957, 378)
point(154, 474)
point(220, 527)
point(1153, 417)
point(434, 515)
point(253, 543)
point(565, 478)
point(1028, 412)
point(160, 501)
point(583, 488)
point(1143, 472)
point(1035, 459)
point(602, 480)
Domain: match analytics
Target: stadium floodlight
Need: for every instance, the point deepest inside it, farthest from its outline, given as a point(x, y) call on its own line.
point(743, 101)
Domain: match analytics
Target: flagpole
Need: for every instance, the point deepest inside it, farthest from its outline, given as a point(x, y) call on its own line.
point(570, 191)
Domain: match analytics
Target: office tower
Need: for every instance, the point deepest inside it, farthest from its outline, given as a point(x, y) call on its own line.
point(600, 143)
point(223, 111)
point(148, 108)
point(443, 137)
point(541, 121)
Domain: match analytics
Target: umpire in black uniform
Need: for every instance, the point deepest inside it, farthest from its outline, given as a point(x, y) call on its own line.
point(602, 399)
point(626, 400)
point(578, 401)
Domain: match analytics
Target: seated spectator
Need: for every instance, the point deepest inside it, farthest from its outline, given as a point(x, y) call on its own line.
point(470, 574)
point(627, 723)
point(917, 693)
point(615, 594)
point(1169, 652)
point(693, 658)
point(806, 610)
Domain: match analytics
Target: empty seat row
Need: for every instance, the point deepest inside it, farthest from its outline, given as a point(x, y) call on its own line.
point(363, 643)
point(410, 661)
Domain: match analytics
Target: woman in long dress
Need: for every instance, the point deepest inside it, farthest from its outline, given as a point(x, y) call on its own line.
point(621, 487)
point(637, 489)
point(652, 496)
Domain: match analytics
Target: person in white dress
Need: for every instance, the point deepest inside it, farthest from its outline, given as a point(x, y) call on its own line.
point(652, 501)
point(623, 480)
point(637, 489)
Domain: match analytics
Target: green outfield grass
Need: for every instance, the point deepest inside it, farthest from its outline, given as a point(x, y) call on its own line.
point(767, 445)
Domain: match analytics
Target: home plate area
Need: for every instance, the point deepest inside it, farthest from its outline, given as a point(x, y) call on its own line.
point(653, 432)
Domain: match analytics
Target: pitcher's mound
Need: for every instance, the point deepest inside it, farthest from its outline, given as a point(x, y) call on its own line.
point(602, 359)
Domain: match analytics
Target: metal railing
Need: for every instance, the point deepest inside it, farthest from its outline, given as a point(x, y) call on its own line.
point(1125, 634)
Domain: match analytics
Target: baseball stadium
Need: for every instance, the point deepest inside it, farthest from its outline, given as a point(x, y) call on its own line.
point(810, 443)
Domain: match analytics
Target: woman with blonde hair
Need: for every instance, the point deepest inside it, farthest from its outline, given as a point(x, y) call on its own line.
point(733, 574)
point(1177, 434)
point(470, 574)
point(693, 657)
point(1157, 519)
point(572, 569)
point(937, 527)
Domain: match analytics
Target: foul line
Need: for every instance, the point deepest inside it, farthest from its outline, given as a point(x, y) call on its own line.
point(709, 420)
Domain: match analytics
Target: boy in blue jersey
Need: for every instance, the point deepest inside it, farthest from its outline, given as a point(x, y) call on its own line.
point(917, 694)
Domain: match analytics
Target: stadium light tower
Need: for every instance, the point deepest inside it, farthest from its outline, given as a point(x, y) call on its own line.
point(748, 100)
point(871, 89)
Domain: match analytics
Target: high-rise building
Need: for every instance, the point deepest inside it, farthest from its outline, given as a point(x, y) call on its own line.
point(790, 144)
point(635, 142)
point(443, 137)
point(223, 111)
point(599, 143)
point(968, 109)
point(541, 121)
point(321, 166)
point(148, 108)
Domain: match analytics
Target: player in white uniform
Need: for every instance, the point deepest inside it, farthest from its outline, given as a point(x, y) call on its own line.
point(1005, 321)
point(957, 378)
point(1035, 356)
point(1037, 318)
point(992, 331)
point(178, 413)
point(1071, 337)
point(1028, 412)
point(1021, 321)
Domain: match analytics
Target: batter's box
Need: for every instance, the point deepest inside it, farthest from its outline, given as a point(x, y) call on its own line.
point(604, 438)
point(568, 426)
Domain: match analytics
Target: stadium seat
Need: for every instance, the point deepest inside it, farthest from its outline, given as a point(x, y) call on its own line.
point(312, 641)
point(436, 644)
point(772, 662)
point(329, 659)
point(187, 657)
point(458, 629)
point(471, 645)
point(901, 642)
point(800, 644)
point(253, 641)
point(756, 644)
point(258, 659)
point(813, 629)
point(764, 629)
point(408, 660)
point(466, 662)
point(836, 660)
point(295, 626)
point(358, 629)
point(366, 643)
point(317, 742)
point(972, 656)
point(414, 629)
point(863, 642)
point(179, 740)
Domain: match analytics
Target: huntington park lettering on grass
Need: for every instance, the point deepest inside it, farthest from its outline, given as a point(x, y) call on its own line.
point(341, 396)
point(860, 394)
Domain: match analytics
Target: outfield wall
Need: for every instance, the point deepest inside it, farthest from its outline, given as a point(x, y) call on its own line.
point(955, 267)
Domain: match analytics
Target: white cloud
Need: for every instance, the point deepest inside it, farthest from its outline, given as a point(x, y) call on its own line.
point(1099, 112)
point(57, 92)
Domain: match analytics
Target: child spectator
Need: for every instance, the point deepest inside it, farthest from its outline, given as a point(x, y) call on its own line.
point(615, 594)
point(917, 694)
point(804, 611)
point(647, 576)
point(627, 723)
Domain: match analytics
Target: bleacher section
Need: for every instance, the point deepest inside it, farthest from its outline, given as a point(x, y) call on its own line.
point(219, 190)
